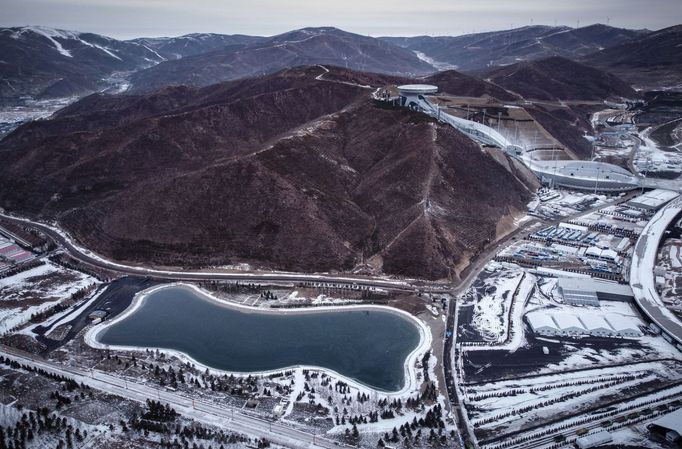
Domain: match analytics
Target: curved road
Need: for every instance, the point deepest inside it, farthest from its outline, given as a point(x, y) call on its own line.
point(250, 276)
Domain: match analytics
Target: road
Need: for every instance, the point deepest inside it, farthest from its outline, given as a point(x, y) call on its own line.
point(226, 417)
point(468, 276)
point(87, 257)
point(520, 233)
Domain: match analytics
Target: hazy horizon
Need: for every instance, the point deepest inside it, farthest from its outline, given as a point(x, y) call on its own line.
point(126, 19)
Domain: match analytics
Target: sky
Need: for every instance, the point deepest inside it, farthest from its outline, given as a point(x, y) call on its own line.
point(125, 19)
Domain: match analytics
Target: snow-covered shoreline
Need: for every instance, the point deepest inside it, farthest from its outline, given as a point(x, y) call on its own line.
point(410, 372)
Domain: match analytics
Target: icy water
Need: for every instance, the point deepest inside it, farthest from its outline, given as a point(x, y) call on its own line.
point(368, 346)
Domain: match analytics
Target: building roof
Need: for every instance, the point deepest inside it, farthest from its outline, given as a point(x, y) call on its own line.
point(654, 199)
point(593, 322)
point(538, 320)
point(594, 439)
point(621, 323)
point(671, 421)
point(566, 321)
point(418, 89)
point(587, 286)
point(574, 226)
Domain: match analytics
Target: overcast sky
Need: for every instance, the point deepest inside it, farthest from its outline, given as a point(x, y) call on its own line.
point(134, 18)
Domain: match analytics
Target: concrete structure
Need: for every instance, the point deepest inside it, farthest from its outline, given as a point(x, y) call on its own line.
point(551, 272)
point(417, 89)
point(670, 426)
point(653, 200)
point(583, 175)
point(574, 292)
point(413, 96)
point(594, 439)
point(642, 272)
point(573, 289)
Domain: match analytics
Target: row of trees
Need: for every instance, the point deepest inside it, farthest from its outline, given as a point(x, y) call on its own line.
point(533, 390)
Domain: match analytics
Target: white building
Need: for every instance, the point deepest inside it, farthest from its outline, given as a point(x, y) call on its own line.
point(594, 439)
point(670, 425)
point(560, 324)
point(570, 325)
point(542, 324)
point(591, 291)
point(653, 200)
point(623, 326)
point(596, 325)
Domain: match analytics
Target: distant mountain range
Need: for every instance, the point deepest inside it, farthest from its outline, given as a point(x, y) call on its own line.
point(476, 51)
point(169, 48)
point(557, 78)
point(296, 170)
point(43, 62)
point(301, 47)
point(652, 60)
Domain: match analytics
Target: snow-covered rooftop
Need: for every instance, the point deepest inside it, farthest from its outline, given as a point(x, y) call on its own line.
point(540, 320)
point(671, 421)
point(567, 321)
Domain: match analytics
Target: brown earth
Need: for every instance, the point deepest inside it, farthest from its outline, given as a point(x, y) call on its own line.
point(558, 78)
point(284, 171)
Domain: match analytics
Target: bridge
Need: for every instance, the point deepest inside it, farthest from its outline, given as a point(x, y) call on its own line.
point(642, 273)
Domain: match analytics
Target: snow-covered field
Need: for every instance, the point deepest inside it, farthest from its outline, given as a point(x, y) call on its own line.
point(650, 159)
point(491, 295)
point(36, 290)
point(13, 116)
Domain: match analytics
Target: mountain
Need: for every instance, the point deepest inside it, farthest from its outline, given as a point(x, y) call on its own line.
point(459, 84)
point(654, 59)
point(194, 44)
point(475, 51)
point(46, 62)
point(300, 47)
point(297, 170)
point(557, 78)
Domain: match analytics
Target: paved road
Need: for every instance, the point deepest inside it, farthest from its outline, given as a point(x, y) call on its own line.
point(246, 276)
point(642, 270)
point(226, 417)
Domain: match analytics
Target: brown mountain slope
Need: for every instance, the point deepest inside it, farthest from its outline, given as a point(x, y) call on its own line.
point(653, 60)
point(558, 78)
point(309, 175)
point(456, 83)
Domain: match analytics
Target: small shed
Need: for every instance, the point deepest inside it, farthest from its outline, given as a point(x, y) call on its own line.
point(594, 439)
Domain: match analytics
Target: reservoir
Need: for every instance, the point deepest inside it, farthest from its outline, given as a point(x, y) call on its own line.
point(370, 346)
